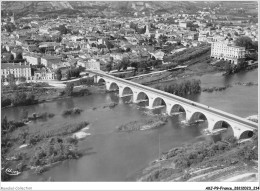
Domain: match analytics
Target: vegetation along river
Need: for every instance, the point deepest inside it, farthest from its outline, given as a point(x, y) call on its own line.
point(119, 156)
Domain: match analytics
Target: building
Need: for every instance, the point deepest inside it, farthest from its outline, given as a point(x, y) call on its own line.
point(183, 25)
point(48, 60)
point(44, 74)
point(32, 59)
point(222, 50)
point(44, 30)
point(17, 69)
point(91, 64)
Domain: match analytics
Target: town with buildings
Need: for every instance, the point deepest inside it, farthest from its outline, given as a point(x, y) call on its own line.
point(57, 43)
point(46, 44)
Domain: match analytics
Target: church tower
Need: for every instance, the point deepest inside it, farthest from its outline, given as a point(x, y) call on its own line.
point(147, 31)
point(12, 19)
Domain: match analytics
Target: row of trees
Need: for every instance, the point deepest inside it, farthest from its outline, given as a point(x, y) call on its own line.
point(143, 65)
point(184, 88)
point(70, 73)
point(11, 79)
point(21, 98)
point(10, 57)
point(185, 57)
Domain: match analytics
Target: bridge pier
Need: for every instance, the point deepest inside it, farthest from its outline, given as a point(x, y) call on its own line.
point(188, 114)
point(120, 94)
point(95, 79)
point(150, 106)
point(169, 108)
point(135, 94)
point(237, 131)
point(107, 85)
point(211, 124)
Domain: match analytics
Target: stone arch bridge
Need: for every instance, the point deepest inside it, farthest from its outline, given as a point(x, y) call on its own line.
point(216, 119)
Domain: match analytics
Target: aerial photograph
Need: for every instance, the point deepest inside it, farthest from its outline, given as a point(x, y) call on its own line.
point(129, 91)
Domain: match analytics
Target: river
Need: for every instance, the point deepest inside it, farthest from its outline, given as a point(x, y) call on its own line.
point(119, 156)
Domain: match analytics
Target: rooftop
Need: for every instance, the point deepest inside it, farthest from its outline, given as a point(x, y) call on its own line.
point(48, 57)
point(13, 66)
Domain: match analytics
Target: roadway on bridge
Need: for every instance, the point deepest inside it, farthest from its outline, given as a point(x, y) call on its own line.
point(204, 107)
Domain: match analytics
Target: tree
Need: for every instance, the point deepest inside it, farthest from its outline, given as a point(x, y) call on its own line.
point(109, 44)
point(22, 79)
point(9, 57)
point(2, 78)
point(10, 79)
point(255, 45)
point(19, 56)
point(69, 89)
point(76, 72)
point(58, 74)
point(4, 124)
point(133, 25)
point(123, 64)
point(58, 39)
point(62, 29)
point(68, 74)
point(82, 69)
point(142, 30)
point(109, 67)
point(163, 38)
point(19, 98)
point(135, 66)
point(3, 49)
point(244, 41)
point(26, 27)
point(126, 63)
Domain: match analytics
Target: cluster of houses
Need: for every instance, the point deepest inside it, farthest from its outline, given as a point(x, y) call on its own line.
point(49, 44)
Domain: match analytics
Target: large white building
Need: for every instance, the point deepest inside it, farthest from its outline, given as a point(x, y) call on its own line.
point(17, 69)
point(91, 64)
point(222, 50)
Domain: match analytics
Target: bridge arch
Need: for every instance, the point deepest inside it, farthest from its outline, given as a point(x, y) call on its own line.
point(224, 125)
point(101, 81)
point(246, 134)
point(113, 86)
point(221, 124)
point(127, 91)
point(177, 108)
point(142, 97)
point(197, 116)
point(158, 102)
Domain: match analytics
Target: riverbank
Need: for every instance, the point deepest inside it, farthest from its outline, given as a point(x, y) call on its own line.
point(191, 71)
point(206, 161)
point(196, 69)
point(24, 149)
point(49, 94)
